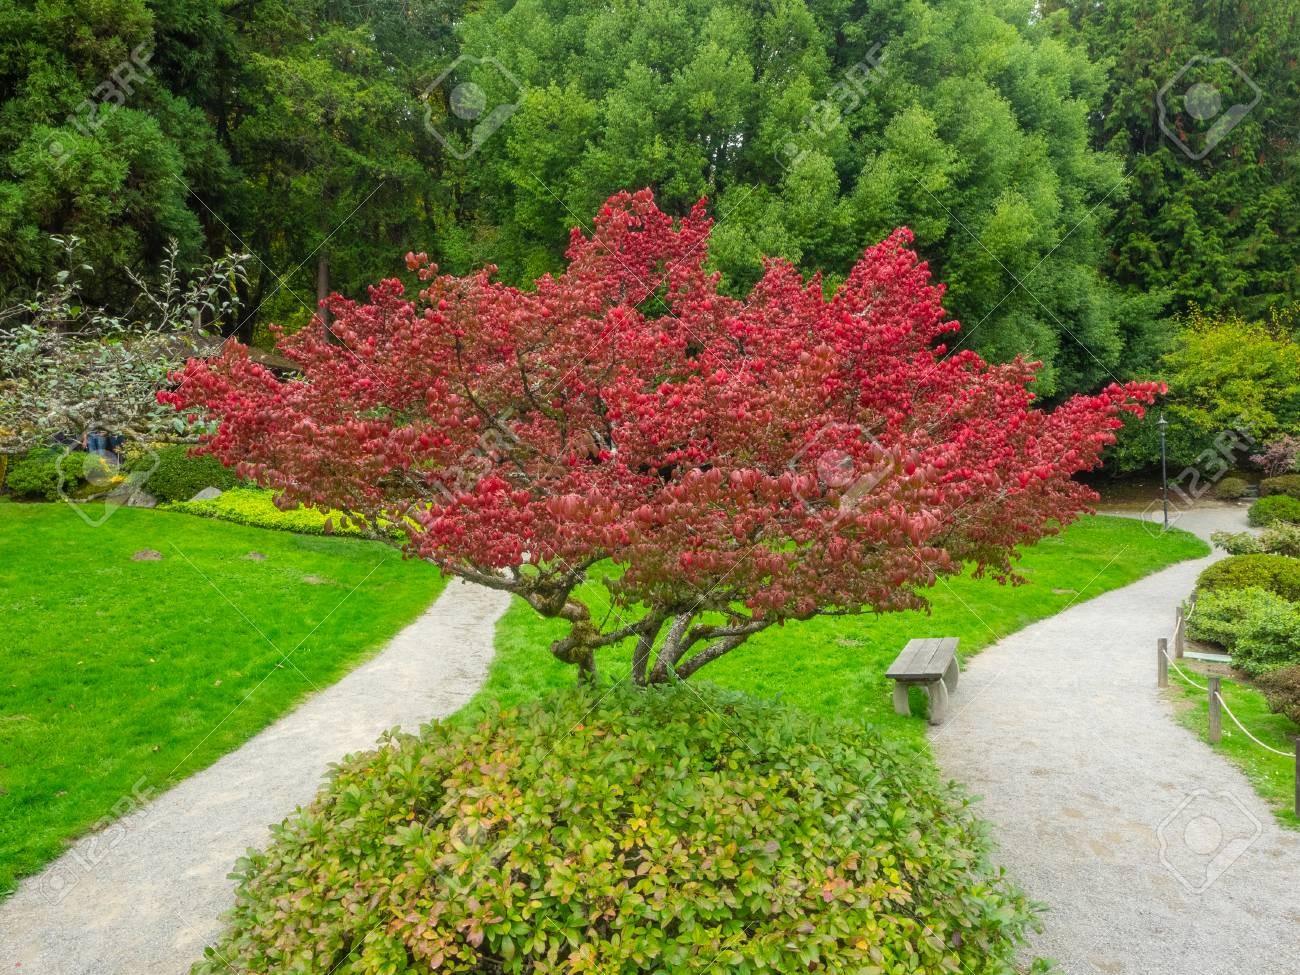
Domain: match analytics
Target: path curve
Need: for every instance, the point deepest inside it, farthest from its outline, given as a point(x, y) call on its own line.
point(1084, 771)
point(145, 896)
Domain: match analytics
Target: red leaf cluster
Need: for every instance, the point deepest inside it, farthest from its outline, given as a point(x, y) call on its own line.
point(768, 458)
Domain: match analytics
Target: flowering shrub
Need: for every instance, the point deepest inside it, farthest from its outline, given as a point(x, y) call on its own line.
point(1279, 457)
point(639, 832)
point(742, 462)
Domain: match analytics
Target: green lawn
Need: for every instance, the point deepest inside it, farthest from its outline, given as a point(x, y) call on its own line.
point(836, 666)
point(1272, 775)
point(115, 672)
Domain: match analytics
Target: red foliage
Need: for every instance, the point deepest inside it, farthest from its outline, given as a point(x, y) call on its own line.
point(751, 460)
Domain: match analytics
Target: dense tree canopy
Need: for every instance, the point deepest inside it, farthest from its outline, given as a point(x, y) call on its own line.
point(738, 462)
point(814, 126)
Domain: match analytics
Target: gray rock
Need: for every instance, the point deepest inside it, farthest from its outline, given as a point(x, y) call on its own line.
point(147, 555)
point(131, 496)
point(207, 494)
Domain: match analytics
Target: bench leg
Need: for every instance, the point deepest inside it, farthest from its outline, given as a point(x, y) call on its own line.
point(938, 695)
point(951, 674)
point(900, 699)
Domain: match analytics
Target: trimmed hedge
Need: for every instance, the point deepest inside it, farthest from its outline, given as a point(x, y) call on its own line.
point(1231, 488)
point(256, 507)
point(645, 831)
point(1274, 573)
point(1283, 484)
point(176, 476)
point(1275, 508)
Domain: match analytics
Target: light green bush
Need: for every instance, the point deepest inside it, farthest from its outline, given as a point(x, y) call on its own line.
point(1276, 573)
point(1231, 488)
point(638, 831)
point(256, 507)
point(1283, 484)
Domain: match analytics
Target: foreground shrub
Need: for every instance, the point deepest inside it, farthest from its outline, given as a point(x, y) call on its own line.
point(1275, 573)
point(1282, 690)
point(1277, 507)
point(1231, 488)
point(256, 507)
point(1287, 484)
point(643, 832)
point(178, 477)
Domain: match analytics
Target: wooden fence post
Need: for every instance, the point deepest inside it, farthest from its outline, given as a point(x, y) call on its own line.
point(1216, 719)
point(1180, 633)
point(1162, 662)
point(1297, 776)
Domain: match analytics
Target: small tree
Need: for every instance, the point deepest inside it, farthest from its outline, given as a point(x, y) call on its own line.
point(68, 368)
point(730, 465)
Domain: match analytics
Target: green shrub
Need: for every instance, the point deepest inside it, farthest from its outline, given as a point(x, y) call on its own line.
point(1281, 538)
point(1237, 543)
point(1282, 690)
point(1283, 484)
point(256, 507)
point(1231, 488)
point(176, 476)
point(1221, 615)
point(1259, 628)
point(643, 831)
point(51, 473)
point(1276, 573)
point(1277, 507)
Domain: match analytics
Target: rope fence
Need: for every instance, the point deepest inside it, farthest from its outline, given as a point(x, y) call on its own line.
point(1217, 705)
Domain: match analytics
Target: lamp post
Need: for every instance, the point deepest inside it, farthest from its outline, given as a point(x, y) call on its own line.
point(1164, 467)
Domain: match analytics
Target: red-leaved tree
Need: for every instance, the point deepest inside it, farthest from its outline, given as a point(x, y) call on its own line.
point(727, 464)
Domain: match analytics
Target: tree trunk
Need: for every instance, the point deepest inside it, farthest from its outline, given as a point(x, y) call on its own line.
point(323, 290)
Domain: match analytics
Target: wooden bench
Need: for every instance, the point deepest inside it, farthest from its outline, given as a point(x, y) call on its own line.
point(931, 664)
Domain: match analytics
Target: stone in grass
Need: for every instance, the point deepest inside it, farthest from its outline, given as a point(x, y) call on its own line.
point(131, 496)
point(207, 494)
point(147, 555)
point(255, 557)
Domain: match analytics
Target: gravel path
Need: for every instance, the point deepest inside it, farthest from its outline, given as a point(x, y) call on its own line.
point(1154, 855)
point(144, 896)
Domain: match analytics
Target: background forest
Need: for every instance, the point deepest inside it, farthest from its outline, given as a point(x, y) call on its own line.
point(1083, 176)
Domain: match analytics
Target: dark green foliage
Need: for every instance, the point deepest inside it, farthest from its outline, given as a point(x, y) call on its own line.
point(1274, 573)
point(176, 476)
point(628, 833)
point(1231, 488)
point(1288, 484)
point(1278, 507)
point(1282, 689)
point(52, 473)
point(974, 132)
point(1219, 231)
